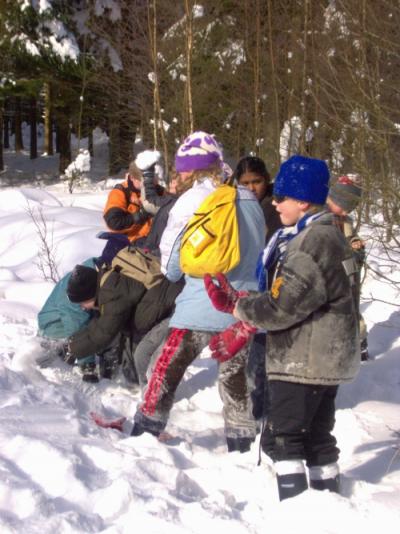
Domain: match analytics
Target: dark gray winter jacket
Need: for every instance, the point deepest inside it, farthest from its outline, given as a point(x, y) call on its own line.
point(309, 313)
point(116, 301)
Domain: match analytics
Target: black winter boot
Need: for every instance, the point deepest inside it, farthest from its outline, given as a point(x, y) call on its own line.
point(107, 368)
point(142, 423)
point(239, 444)
point(331, 484)
point(89, 373)
point(291, 485)
point(364, 350)
point(138, 430)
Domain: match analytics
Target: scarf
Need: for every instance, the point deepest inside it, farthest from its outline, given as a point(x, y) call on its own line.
point(277, 245)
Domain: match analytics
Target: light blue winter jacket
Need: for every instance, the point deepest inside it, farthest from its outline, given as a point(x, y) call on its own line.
point(60, 318)
point(193, 309)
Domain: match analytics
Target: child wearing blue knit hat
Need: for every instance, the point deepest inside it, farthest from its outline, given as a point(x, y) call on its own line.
point(303, 178)
point(312, 328)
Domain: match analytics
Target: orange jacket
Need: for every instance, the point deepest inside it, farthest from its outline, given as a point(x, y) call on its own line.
point(122, 213)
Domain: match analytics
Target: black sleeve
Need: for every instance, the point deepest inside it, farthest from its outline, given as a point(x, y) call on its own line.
point(151, 193)
point(272, 219)
point(117, 299)
point(118, 219)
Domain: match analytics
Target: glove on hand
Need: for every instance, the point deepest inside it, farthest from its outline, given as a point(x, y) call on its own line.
point(140, 217)
point(67, 354)
point(224, 296)
point(226, 344)
point(149, 174)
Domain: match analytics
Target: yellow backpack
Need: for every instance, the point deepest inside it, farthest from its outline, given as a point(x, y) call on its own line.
point(210, 243)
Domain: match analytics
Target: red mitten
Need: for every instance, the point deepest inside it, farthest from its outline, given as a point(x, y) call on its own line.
point(223, 296)
point(226, 344)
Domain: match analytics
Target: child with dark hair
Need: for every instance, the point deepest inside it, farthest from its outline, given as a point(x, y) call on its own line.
point(312, 329)
point(251, 172)
point(61, 317)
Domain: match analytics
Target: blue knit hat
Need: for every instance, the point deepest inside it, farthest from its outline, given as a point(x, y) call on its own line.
point(303, 179)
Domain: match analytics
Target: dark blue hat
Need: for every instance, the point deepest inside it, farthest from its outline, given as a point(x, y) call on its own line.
point(303, 179)
point(82, 284)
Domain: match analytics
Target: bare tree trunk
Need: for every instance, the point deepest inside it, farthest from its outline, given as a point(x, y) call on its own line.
point(157, 115)
point(6, 126)
point(1, 137)
point(90, 139)
point(64, 141)
point(274, 86)
point(48, 123)
point(114, 160)
point(19, 145)
point(303, 97)
point(189, 46)
point(256, 76)
point(33, 128)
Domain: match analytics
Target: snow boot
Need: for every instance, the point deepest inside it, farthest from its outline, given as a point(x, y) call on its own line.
point(239, 444)
point(291, 478)
point(89, 373)
point(64, 353)
point(325, 477)
point(364, 350)
point(331, 484)
point(138, 430)
point(142, 423)
point(107, 368)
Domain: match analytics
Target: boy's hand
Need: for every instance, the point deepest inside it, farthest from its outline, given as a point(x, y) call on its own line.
point(223, 296)
point(226, 344)
point(357, 244)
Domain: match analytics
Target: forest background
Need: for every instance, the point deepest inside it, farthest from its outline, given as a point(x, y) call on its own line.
point(267, 77)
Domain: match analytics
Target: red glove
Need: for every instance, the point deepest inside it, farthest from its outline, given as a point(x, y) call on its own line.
point(223, 296)
point(226, 344)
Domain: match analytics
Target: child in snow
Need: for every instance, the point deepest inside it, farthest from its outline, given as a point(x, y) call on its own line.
point(124, 212)
point(251, 172)
point(343, 197)
point(312, 329)
point(199, 164)
point(116, 297)
point(60, 318)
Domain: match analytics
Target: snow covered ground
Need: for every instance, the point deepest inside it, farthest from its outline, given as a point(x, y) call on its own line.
point(60, 473)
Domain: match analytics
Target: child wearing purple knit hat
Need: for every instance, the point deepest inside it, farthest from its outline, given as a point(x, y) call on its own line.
point(199, 164)
point(198, 151)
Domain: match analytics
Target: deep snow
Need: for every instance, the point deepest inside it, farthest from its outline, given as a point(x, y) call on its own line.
point(61, 473)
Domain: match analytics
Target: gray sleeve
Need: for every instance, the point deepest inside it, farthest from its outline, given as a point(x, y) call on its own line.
point(298, 291)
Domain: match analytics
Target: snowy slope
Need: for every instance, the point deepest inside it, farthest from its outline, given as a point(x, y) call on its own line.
point(60, 473)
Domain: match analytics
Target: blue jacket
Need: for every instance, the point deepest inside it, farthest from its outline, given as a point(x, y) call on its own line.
point(193, 308)
point(60, 318)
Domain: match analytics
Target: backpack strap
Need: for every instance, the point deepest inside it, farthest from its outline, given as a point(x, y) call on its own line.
point(351, 269)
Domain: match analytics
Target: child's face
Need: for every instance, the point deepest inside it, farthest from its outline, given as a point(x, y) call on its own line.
point(172, 185)
point(256, 183)
point(290, 210)
point(334, 208)
point(135, 181)
point(87, 304)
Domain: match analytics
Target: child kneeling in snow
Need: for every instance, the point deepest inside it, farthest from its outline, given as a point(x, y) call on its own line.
point(60, 318)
